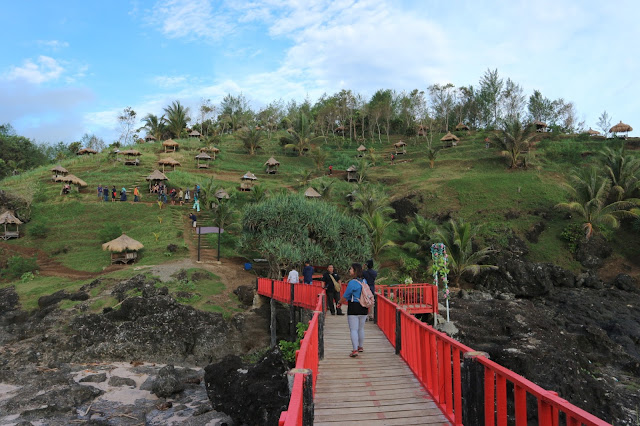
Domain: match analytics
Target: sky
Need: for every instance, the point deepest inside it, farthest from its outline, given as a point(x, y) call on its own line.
point(69, 67)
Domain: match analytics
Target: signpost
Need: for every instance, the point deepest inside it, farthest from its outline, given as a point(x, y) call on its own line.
point(208, 230)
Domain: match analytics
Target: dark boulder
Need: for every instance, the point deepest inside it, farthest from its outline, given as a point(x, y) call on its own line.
point(52, 299)
point(625, 282)
point(516, 276)
point(79, 296)
point(9, 300)
point(590, 280)
point(533, 233)
point(94, 378)
point(121, 381)
point(245, 294)
point(250, 394)
point(591, 253)
point(167, 382)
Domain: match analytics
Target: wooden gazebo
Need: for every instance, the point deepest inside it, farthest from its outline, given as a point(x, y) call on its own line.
point(248, 180)
point(131, 157)
point(221, 194)
point(592, 132)
point(212, 149)
point(171, 145)
point(540, 126)
point(621, 128)
point(71, 180)
point(400, 147)
point(312, 193)
point(168, 162)
point(156, 177)
point(58, 171)
point(450, 140)
point(86, 151)
point(361, 150)
point(149, 138)
point(7, 218)
point(195, 134)
point(272, 165)
point(461, 126)
point(422, 130)
point(124, 249)
point(352, 174)
point(205, 160)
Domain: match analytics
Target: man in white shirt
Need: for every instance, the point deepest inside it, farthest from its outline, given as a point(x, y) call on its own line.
point(293, 276)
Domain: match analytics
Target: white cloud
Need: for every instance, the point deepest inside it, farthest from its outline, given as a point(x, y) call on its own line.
point(195, 19)
point(167, 81)
point(42, 70)
point(53, 44)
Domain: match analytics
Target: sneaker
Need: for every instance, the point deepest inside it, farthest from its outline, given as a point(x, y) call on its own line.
point(340, 313)
point(353, 354)
point(360, 349)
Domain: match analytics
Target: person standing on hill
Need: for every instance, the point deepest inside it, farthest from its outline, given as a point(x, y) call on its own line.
point(196, 202)
point(136, 194)
point(114, 194)
point(307, 273)
point(193, 218)
point(180, 197)
point(100, 192)
point(330, 170)
point(105, 193)
point(356, 313)
point(393, 158)
point(123, 194)
point(332, 287)
point(187, 196)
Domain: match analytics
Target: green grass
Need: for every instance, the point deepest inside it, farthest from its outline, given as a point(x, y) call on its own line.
point(30, 291)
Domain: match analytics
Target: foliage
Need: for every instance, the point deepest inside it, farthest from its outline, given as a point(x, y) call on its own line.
point(624, 172)
point(251, 138)
point(17, 266)
point(419, 232)
point(17, 153)
point(289, 349)
point(109, 231)
point(177, 118)
point(377, 226)
point(38, 230)
point(514, 138)
point(369, 199)
point(572, 234)
point(288, 229)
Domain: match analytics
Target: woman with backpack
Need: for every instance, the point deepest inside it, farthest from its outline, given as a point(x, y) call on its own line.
point(357, 310)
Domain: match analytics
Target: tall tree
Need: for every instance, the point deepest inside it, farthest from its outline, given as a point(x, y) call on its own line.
point(541, 108)
point(490, 97)
point(513, 100)
point(207, 110)
point(177, 118)
point(382, 107)
point(237, 110)
point(442, 102)
point(377, 225)
point(154, 125)
point(127, 121)
point(251, 138)
point(514, 138)
point(604, 123)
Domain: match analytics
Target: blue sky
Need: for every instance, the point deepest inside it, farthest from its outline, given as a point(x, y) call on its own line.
point(69, 67)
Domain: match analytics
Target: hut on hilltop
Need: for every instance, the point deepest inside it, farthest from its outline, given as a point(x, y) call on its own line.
point(86, 151)
point(352, 174)
point(592, 132)
point(272, 165)
point(212, 149)
point(124, 249)
point(149, 138)
point(400, 147)
point(130, 157)
point(70, 180)
point(222, 194)
point(461, 126)
point(312, 193)
point(621, 128)
point(540, 126)
point(248, 179)
point(450, 140)
point(156, 177)
point(195, 134)
point(171, 145)
point(8, 218)
point(205, 158)
point(361, 150)
point(168, 162)
point(58, 171)
point(422, 130)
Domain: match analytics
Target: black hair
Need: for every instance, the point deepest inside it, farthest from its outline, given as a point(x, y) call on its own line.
point(370, 264)
point(357, 270)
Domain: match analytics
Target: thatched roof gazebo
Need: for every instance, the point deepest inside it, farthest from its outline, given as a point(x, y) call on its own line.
point(352, 174)
point(422, 130)
point(86, 151)
point(170, 144)
point(149, 138)
point(272, 165)
point(205, 158)
point(130, 154)
point(592, 132)
point(124, 249)
point(312, 193)
point(156, 177)
point(58, 171)
point(540, 126)
point(361, 150)
point(212, 149)
point(7, 218)
point(221, 194)
point(400, 147)
point(248, 180)
point(450, 140)
point(71, 180)
point(621, 128)
point(168, 162)
point(461, 126)
point(194, 134)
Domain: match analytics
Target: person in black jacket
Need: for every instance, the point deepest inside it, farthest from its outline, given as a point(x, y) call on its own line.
point(370, 275)
point(332, 295)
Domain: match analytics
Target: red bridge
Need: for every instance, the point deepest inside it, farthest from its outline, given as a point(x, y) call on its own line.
point(410, 373)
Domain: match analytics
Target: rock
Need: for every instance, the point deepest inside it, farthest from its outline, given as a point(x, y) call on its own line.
point(505, 296)
point(79, 296)
point(591, 253)
point(245, 294)
point(463, 294)
point(94, 378)
point(9, 300)
point(52, 299)
point(404, 209)
point(590, 280)
point(448, 327)
point(167, 382)
point(251, 394)
point(533, 233)
point(562, 277)
point(517, 247)
point(623, 282)
point(121, 381)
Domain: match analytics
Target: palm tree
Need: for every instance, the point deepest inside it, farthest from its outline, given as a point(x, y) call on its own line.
point(154, 125)
point(258, 194)
point(458, 236)
point(624, 172)
point(319, 157)
point(251, 138)
point(369, 200)
point(300, 135)
point(514, 138)
point(420, 231)
point(304, 177)
point(432, 154)
point(363, 169)
point(377, 225)
point(177, 118)
point(589, 192)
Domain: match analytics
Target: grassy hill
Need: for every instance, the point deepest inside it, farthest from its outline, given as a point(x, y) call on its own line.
point(468, 181)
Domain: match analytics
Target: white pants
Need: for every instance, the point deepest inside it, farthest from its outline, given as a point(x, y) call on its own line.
point(356, 328)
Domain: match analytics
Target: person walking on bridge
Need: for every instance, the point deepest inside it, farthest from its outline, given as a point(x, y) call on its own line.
point(356, 313)
point(332, 287)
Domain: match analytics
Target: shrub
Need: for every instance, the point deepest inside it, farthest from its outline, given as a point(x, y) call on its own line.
point(39, 230)
point(572, 234)
point(17, 266)
point(109, 231)
point(289, 349)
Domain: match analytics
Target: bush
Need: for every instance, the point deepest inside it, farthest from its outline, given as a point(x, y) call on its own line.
point(39, 230)
point(17, 266)
point(573, 234)
point(109, 232)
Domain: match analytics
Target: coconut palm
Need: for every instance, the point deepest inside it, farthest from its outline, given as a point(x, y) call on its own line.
point(368, 200)
point(514, 138)
point(303, 178)
point(251, 138)
point(458, 236)
point(377, 225)
point(589, 191)
point(363, 169)
point(624, 172)
point(420, 231)
point(177, 118)
point(319, 157)
point(154, 125)
point(300, 136)
point(258, 194)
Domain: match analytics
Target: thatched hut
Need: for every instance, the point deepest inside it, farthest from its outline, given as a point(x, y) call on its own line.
point(621, 128)
point(272, 165)
point(248, 180)
point(168, 162)
point(422, 130)
point(312, 193)
point(149, 138)
point(156, 177)
point(7, 218)
point(400, 147)
point(124, 249)
point(131, 155)
point(58, 171)
point(212, 149)
point(195, 134)
point(205, 158)
point(361, 150)
point(352, 174)
point(86, 151)
point(450, 140)
point(592, 132)
point(461, 126)
point(221, 194)
point(71, 180)
point(170, 145)
point(540, 126)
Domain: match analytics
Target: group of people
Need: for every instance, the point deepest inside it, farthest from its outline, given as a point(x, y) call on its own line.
point(104, 193)
point(356, 313)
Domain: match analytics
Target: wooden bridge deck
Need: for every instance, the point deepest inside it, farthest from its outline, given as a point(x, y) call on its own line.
point(376, 388)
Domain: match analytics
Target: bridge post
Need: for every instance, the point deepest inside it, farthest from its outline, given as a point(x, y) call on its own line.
point(272, 305)
point(398, 332)
point(375, 309)
point(321, 315)
point(307, 393)
point(292, 313)
point(473, 388)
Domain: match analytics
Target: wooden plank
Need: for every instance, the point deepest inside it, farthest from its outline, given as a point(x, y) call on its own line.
point(348, 416)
